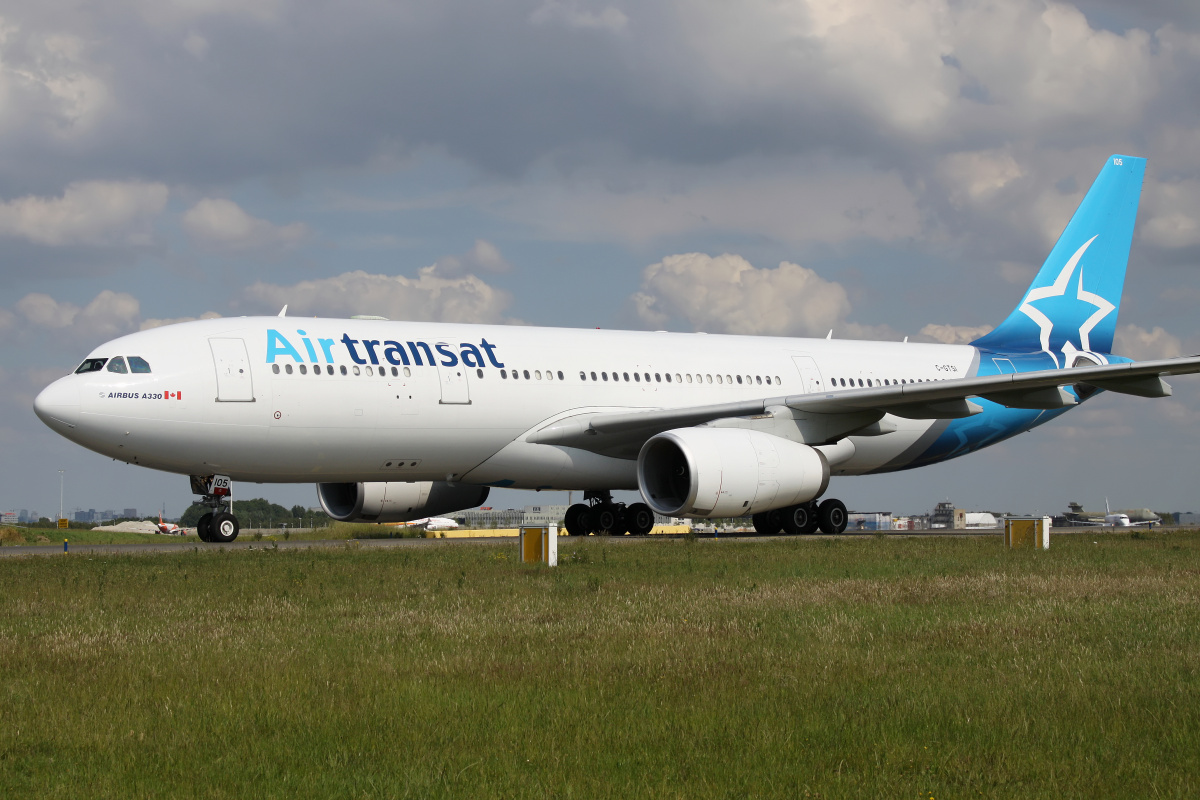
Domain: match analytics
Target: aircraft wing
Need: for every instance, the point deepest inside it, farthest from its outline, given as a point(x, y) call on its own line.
point(838, 413)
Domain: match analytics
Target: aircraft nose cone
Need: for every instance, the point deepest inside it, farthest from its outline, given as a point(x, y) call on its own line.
point(58, 404)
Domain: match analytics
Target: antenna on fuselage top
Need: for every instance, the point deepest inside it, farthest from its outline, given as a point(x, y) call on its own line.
point(283, 311)
point(830, 334)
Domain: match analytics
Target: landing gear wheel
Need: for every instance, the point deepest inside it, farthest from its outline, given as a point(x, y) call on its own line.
point(640, 519)
point(799, 519)
point(832, 517)
point(607, 521)
point(768, 523)
point(575, 520)
point(224, 528)
point(202, 527)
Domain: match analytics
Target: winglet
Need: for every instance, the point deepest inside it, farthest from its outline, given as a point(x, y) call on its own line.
point(283, 311)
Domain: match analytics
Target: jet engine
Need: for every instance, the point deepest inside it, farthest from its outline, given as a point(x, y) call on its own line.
point(396, 502)
point(727, 472)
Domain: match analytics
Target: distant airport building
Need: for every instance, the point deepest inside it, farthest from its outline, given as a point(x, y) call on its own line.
point(129, 513)
point(869, 521)
point(979, 519)
point(10, 518)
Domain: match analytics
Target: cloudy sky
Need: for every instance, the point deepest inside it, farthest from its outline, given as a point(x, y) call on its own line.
point(883, 169)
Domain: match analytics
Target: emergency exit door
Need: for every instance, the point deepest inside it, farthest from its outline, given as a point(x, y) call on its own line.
point(455, 390)
point(234, 384)
point(810, 375)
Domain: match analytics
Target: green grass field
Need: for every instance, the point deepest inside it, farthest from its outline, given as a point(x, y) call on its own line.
point(857, 667)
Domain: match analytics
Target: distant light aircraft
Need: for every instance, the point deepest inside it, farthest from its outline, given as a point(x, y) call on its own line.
point(405, 420)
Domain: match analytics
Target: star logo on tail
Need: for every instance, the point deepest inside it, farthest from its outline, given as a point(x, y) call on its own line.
point(1059, 289)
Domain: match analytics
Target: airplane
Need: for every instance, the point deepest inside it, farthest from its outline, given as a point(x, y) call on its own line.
point(398, 421)
point(1129, 518)
point(169, 527)
point(430, 524)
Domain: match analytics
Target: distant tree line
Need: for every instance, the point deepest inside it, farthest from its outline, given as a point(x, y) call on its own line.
point(260, 513)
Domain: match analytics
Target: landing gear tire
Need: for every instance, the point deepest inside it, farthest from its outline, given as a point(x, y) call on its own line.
point(202, 527)
point(607, 520)
point(832, 517)
point(800, 519)
point(639, 519)
point(224, 528)
point(768, 523)
point(575, 520)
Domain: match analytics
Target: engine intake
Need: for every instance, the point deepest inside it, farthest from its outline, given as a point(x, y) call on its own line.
point(727, 472)
point(396, 502)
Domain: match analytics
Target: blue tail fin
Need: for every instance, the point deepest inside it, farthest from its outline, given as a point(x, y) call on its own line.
point(1072, 303)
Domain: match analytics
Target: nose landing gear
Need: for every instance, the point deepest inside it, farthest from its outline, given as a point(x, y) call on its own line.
point(218, 525)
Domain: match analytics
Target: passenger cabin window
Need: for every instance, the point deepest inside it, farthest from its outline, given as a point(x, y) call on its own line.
point(117, 365)
point(91, 365)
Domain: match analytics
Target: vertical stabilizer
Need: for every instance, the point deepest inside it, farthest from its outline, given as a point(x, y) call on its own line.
point(1073, 302)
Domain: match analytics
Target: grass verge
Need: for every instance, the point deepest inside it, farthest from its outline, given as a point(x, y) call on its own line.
point(682, 668)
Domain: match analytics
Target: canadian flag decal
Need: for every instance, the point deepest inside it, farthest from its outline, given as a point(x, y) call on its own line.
point(173, 395)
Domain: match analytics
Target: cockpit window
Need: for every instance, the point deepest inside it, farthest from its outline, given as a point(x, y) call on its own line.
point(91, 365)
point(117, 365)
point(137, 364)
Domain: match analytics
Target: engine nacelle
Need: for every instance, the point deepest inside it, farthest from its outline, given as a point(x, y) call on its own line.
point(727, 472)
point(396, 502)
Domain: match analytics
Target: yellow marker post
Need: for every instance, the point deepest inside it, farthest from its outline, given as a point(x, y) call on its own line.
point(1027, 532)
point(539, 545)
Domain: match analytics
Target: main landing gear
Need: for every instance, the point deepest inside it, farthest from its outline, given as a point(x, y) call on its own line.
point(218, 525)
point(601, 516)
point(830, 517)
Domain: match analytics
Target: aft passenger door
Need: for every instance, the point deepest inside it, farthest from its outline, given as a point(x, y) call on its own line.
point(234, 384)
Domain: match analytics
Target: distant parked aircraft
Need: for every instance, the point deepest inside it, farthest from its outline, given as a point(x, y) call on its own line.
point(1125, 518)
point(431, 524)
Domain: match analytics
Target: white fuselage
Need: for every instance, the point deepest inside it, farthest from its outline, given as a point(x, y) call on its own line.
point(265, 414)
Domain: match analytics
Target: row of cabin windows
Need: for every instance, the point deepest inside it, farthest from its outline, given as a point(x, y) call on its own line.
point(316, 368)
point(884, 382)
point(639, 377)
point(537, 375)
point(122, 365)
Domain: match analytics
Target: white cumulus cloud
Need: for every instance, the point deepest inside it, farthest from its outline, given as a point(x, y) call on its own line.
point(222, 224)
point(1141, 344)
point(952, 334)
point(728, 294)
point(426, 297)
point(108, 315)
point(89, 213)
point(483, 257)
